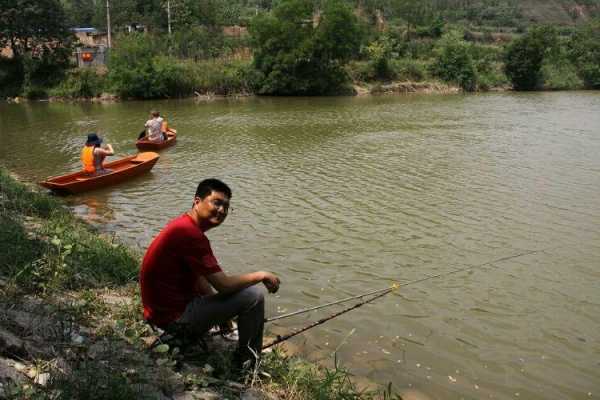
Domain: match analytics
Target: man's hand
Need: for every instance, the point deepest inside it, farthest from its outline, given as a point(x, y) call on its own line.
point(271, 282)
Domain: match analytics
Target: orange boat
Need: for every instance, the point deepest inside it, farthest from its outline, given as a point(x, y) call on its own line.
point(122, 169)
point(144, 144)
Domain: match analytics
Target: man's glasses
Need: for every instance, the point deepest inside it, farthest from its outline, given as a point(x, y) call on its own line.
point(221, 204)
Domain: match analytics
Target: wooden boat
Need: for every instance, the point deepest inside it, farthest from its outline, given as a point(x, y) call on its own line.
point(121, 170)
point(144, 144)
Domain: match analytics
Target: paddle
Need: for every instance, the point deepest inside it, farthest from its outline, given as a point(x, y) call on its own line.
point(142, 134)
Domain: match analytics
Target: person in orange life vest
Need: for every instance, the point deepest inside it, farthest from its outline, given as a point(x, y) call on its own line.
point(183, 286)
point(92, 155)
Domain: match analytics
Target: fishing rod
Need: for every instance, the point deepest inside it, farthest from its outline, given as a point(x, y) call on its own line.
point(281, 338)
point(305, 310)
point(397, 285)
point(380, 293)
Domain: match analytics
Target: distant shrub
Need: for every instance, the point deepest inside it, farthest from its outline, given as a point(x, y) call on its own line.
point(11, 77)
point(584, 51)
point(453, 62)
point(488, 64)
point(224, 78)
point(80, 83)
point(408, 69)
point(131, 71)
point(379, 53)
point(524, 57)
point(562, 76)
point(293, 56)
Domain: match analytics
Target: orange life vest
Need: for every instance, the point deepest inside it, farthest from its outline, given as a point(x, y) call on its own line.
point(87, 159)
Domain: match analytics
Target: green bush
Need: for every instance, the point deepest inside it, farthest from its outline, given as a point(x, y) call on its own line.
point(525, 56)
point(11, 77)
point(558, 72)
point(489, 66)
point(139, 68)
point(379, 53)
point(584, 51)
point(80, 83)
point(200, 43)
point(224, 78)
point(359, 71)
point(408, 69)
point(293, 56)
point(44, 70)
point(131, 70)
point(560, 76)
point(453, 62)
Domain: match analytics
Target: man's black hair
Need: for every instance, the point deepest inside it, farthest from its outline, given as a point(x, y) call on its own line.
point(207, 186)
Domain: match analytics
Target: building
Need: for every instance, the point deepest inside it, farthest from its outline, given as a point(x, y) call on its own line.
point(93, 49)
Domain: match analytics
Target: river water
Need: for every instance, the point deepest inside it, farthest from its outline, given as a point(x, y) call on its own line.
point(341, 196)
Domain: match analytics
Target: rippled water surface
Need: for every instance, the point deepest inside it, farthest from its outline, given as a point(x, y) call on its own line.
point(341, 196)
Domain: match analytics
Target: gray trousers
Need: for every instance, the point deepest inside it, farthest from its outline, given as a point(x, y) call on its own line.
point(248, 305)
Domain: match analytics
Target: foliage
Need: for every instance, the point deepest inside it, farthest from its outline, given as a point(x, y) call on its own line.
point(80, 83)
point(140, 68)
point(30, 25)
point(415, 13)
point(379, 54)
point(453, 62)
point(295, 56)
point(37, 33)
point(408, 69)
point(307, 381)
point(131, 71)
point(59, 252)
point(558, 72)
point(79, 13)
point(489, 67)
point(11, 77)
point(201, 43)
point(584, 51)
point(525, 56)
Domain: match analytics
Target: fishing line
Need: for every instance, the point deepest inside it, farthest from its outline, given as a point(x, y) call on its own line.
point(397, 285)
point(378, 293)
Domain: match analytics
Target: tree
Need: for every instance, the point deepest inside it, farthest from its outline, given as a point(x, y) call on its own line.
point(453, 62)
point(79, 13)
point(524, 57)
point(26, 25)
point(37, 33)
point(296, 54)
point(584, 51)
point(415, 13)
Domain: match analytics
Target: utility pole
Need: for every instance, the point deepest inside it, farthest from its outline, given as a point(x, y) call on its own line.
point(169, 15)
point(108, 23)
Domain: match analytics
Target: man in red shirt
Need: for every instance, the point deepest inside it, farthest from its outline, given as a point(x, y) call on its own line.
point(179, 276)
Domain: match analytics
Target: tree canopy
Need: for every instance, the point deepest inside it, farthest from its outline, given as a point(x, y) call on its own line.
point(297, 51)
point(29, 24)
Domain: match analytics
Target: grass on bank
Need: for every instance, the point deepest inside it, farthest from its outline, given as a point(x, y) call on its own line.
point(76, 289)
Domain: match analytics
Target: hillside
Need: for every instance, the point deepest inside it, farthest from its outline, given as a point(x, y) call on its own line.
point(560, 12)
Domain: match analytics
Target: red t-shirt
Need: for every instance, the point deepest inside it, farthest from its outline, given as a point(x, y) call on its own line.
point(172, 264)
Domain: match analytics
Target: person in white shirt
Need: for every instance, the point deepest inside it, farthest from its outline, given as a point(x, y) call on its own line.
point(154, 127)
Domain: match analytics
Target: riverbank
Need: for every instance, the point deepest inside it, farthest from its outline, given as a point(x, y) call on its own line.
point(71, 326)
point(357, 89)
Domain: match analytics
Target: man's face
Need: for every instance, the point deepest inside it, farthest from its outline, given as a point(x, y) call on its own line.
point(212, 210)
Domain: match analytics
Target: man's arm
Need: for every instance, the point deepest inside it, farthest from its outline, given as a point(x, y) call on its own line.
point(233, 283)
point(203, 288)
